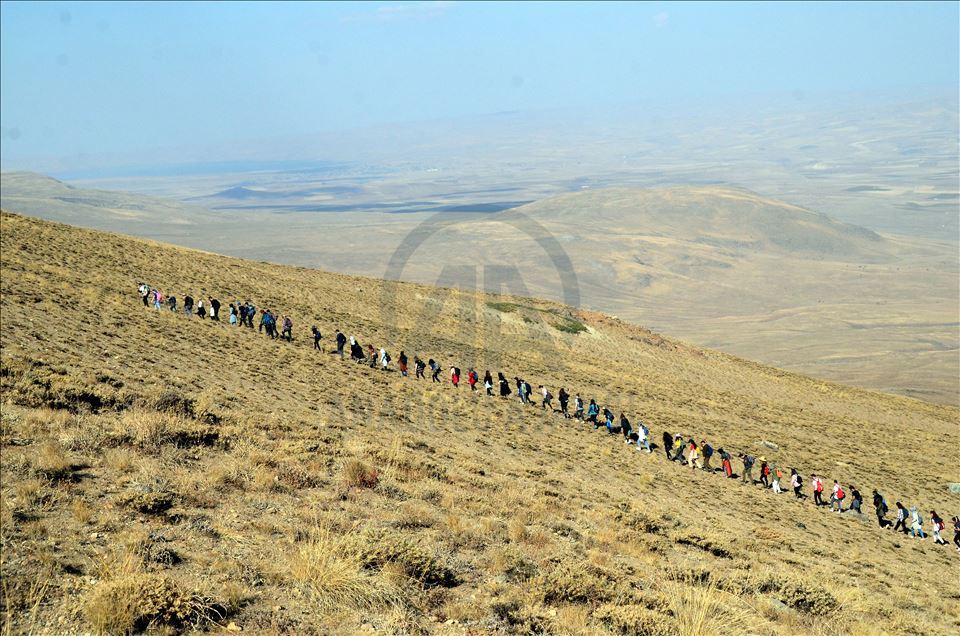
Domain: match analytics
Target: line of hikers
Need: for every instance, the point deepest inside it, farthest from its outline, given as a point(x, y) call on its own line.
point(240, 314)
point(687, 453)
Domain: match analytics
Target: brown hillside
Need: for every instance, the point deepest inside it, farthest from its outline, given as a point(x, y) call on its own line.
point(166, 473)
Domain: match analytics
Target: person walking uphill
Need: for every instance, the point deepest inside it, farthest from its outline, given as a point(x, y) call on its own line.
point(316, 338)
point(214, 308)
point(201, 312)
point(341, 343)
point(402, 361)
point(488, 383)
point(817, 490)
point(435, 368)
point(667, 443)
point(748, 461)
point(287, 329)
point(796, 483)
point(188, 305)
point(956, 532)
point(420, 366)
point(938, 526)
point(902, 517)
point(880, 507)
point(455, 377)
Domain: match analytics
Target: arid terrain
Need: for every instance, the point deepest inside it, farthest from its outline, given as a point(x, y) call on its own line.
point(165, 473)
point(720, 267)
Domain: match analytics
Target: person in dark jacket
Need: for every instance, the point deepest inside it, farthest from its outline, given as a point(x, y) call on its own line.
point(402, 361)
point(564, 398)
point(748, 461)
point(420, 366)
point(488, 382)
point(316, 338)
point(625, 428)
point(667, 443)
point(341, 343)
point(214, 309)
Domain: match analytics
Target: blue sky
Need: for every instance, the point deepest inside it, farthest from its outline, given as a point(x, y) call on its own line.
point(80, 79)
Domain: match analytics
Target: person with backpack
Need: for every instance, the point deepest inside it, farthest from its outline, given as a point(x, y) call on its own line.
point(608, 420)
point(251, 314)
point(188, 305)
point(144, 292)
point(902, 517)
point(693, 455)
point(796, 482)
point(157, 299)
point(341, 342)
point(384, 359)
point(726, 463)
point(287, 329)
point(547, 402)
point(488, 383)
point(241, 314)
point(455, 377)
point(371, 357)
point(201, 312)
point(764, 472)
point(578, 408)
point(419, 367)
point(564, 399)
point(435, 369)
point(472, 379)
point(916, 524)
point(233, 314)
point(316, 338)
point(592, 411)
point(836, 497)
point(706, 450)
point(214, 309)
point(817, 490)
point(856, 500)
point(678, 446)
point(264, 321)
point(402, 362)
point(777, 478)
point(520, 392)
point(527, 392)
point(172, 303)
point(956, 532)
point(937, 525)
point(748, 461)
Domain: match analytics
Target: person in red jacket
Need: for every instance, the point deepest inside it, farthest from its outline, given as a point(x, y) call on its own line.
point(817, 490)
point(472, 379)
point(455, 376)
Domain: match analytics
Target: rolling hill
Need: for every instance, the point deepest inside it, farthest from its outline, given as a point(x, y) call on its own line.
point(722, 267)
point(163, 472)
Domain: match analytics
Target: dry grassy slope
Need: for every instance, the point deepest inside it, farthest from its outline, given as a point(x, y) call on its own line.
point(547, 526)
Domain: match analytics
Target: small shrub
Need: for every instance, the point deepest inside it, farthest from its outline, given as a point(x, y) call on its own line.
point(136, 601)
point(356, 474)
point(502, 307)
point(52, 462)
point(805, 597)
point(147, 502)
point(377, 548)
point(569, 325)
point(573, 582)
point(635, 620)
point(174, 403)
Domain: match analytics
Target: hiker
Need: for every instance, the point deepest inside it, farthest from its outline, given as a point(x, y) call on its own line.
point(341, 342)
point(233, 314)
point(667, 443)
point(547, 398)
point(371, 356)
point(157, 299)
point(242, 314)
point(455, 377)
point(748, 461)
point(725, 463)
point(938, 525)
point(287, 329)
point(607, 420)
point(144, 292)
point(796, 482)
point(902, 516)
point(264, 321)
point(251, 312)
point(578, 407)
point(402, 361)
point(488, 383)
point(384, 359)
point(777, 476)
point(356, 350)
point(916, 524)
point(707, 451)
point(419, 365)
point(592, 412)
point(764, 472)
point(836, 497)
point(201, 312)
point(272, 325)
point(817, 490)
point(188, 305)
point(678, 449)
point(625, 429)
point(693, 455)
point(316, 338)
point(643, 436)
point(172, 303)
point(435, 368)
point(527, 391)
point(214, 309)
point(472, 379)
point(956, 532)
point(856, 500)
point(881, 509)
point(520, 392)
point(504, 385)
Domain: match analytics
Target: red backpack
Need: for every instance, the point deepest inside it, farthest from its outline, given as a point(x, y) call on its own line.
point(841, 494)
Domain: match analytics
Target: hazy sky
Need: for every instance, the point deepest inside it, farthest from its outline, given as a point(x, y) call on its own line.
point(87, 78)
